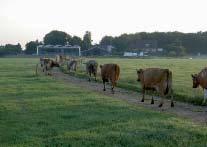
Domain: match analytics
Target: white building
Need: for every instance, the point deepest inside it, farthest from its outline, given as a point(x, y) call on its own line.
point(130, 54)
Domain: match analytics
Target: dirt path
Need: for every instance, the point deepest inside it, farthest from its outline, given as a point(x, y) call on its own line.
point(198, 114)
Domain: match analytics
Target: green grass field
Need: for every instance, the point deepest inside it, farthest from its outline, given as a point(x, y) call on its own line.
point(40, 111)
point(181, 68)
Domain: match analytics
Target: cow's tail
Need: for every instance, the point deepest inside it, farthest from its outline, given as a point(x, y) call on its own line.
point(117, 72)
point(169, 82)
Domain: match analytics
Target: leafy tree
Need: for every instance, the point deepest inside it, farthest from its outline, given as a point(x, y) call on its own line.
point(178, 50)
point(68, 39)
point(13, 49)
point(107, 40)
point(10, 49)
point(56, 38)
point(76, 41)
point(87, 41)
point(31, 47)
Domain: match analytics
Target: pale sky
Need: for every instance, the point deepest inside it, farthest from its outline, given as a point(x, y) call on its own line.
point(26, 20)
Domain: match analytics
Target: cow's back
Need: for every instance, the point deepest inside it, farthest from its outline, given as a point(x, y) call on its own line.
point(203, 78)
point(154, 76)
point(110, 71)
point(91, 66)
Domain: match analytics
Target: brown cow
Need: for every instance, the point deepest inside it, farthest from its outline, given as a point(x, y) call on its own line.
point(110, 72)
point(60, 59)
point(48, 67)
point(72, 65)
point(91, 68)
point(43, 62)
point(201, 79)
point(156, 79)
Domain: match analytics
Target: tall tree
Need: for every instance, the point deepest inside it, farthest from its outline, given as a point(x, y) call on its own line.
point(31, 47)
point(56, 38)
point(107, 40)
point(76, 41)
point(10, 49)
point(87, 42)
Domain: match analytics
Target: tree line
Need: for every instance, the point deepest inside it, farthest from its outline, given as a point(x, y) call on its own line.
point(173, 43)
point(10, 49)
point(176, 43)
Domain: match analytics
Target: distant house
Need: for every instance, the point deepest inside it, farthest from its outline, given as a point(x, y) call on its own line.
point(96, 51)
point(59, 49)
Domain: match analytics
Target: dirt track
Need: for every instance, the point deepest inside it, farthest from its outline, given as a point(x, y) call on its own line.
point(197, 114)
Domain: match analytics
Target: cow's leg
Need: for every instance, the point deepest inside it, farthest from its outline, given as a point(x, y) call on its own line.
point(95, 76)
point(49, 72)
point(161, 101)
point(143, 94)
point(89, 77)
point(104, 82)
point(152, 101)
point(172, 103)
point(112, 87)
point(205, 97)
point(45, 69)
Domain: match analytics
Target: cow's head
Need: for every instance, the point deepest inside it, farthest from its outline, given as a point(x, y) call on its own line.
point(139, 72)
point(195, 80)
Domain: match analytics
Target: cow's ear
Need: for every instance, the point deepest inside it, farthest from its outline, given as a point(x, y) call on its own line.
point(101, 66)
point(193, 76)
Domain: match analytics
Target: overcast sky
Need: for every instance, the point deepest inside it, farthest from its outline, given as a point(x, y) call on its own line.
point(26, 20)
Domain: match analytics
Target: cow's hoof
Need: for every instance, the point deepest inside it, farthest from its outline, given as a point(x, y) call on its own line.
point(160, 105)
point(104, 89)
point(89, 80)
point(152, 101)
point(142, 100)
point(172, 104)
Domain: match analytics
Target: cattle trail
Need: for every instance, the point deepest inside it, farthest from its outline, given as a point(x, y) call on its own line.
point(197, 114)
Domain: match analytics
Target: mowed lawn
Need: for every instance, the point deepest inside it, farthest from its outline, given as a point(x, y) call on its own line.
point(40, 111)
point(181, 68)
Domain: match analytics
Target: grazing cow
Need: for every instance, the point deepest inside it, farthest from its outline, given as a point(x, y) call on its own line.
point(110, 72)
point(91, 68)
point(156, 79)
point(201, 79)
point(43, 62)
point(60, 59)
point(72, 65)
point(50, 65)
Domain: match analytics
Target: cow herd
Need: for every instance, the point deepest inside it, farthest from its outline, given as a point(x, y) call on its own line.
point(154, 79)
